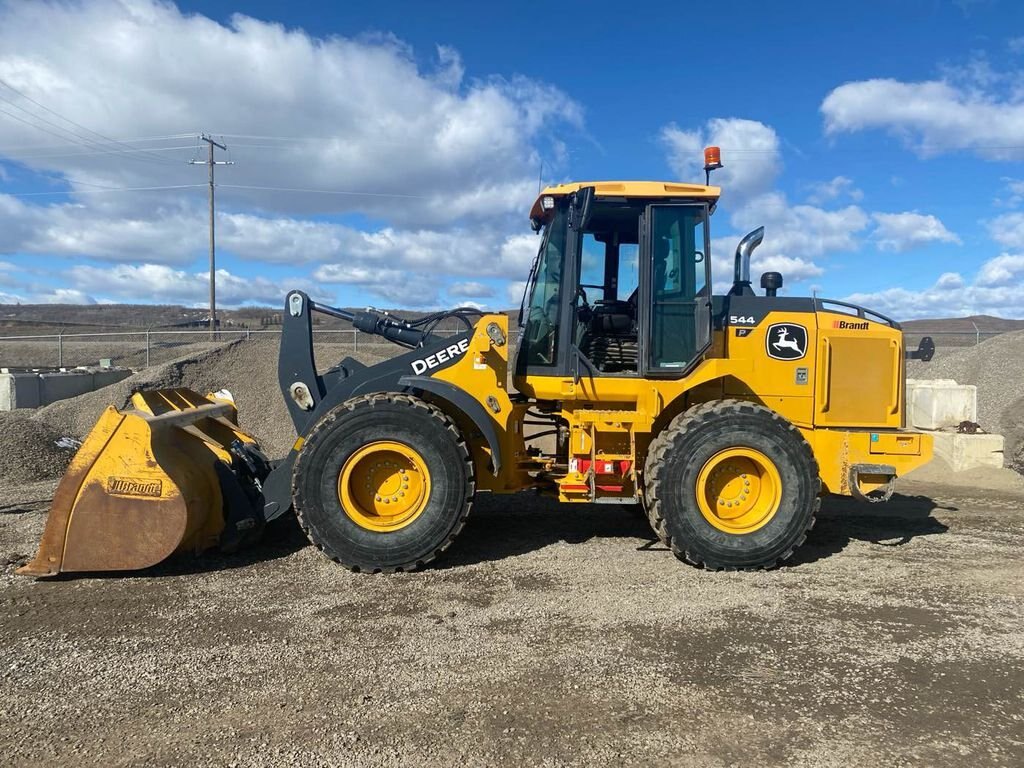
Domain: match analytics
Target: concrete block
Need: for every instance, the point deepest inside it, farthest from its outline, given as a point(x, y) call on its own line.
point(62, 385)
point(104, 377)
point(963, 452)
point(19, 390)
point(939, 403)
point(31, 389)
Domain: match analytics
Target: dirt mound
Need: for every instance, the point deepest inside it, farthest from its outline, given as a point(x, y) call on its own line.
point(996, 368)
point(77, 415)
point(248, 369)
point(28, 449)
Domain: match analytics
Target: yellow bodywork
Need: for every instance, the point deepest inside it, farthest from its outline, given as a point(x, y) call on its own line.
point(655, 190)
point(142, 486)
point(847, 401)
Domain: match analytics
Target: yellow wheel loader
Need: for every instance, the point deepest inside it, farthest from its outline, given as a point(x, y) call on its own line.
point(726, 417)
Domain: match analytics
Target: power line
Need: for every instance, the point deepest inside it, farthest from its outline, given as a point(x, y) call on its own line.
point(100, 191)
point(92, 154)
point(82, 143)
point(127, 140)
point(65, 119)
point(322, 191)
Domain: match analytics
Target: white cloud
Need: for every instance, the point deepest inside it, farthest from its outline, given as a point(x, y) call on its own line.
point(838, 187)
point(996, 290)
point(162, 284)
point(794, 234)
point(801, 230)
point(1014, 194)
point(63, 296)
point(394, 285)
point(750, 154)
point(471, 290)
point(1004, 270)
point(963, 111)
point(1008, 230)
point(792, 268)
point(358, 114)
point(514, 292)
point(393, 264)
point(901, 232)
point(950, 280)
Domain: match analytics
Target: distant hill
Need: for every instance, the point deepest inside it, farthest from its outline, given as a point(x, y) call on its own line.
point(972, 324)
point(31, 319)
point(26, 319)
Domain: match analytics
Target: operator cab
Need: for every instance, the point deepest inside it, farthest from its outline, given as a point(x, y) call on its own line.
point(621, 283)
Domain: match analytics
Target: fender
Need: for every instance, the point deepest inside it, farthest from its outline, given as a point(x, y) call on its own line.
point(469, 406)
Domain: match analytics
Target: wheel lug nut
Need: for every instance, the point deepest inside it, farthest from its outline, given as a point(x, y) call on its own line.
point(376, 498)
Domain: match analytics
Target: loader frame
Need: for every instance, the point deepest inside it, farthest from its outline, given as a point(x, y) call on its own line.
point(310, 395)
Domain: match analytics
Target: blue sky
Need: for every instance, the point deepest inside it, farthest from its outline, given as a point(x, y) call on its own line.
point(881, 144)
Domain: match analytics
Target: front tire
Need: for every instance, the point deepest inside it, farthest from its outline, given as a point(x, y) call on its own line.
point(383, 482)
point(732, 485)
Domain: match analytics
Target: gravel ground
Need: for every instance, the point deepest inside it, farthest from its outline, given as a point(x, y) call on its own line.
point(996, 367)
point(548, 635)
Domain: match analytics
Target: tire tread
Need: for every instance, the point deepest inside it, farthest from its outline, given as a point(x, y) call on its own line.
point(666, 440)
point(372, 401)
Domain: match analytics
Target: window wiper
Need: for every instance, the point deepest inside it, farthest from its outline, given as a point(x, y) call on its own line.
point(529, 285)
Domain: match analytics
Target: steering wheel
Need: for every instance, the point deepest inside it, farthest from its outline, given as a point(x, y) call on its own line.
point(584, 312)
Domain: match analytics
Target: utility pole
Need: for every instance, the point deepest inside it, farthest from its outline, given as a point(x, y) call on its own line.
point(213, 248)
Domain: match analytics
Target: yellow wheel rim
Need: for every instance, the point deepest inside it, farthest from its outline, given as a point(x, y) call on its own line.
point(384, 486)
point(738, 490)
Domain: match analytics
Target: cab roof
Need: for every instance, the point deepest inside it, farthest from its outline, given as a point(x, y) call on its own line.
point(650, 189)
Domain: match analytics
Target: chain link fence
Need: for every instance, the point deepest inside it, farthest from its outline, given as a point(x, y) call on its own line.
point(948, 338)
point(141, 349)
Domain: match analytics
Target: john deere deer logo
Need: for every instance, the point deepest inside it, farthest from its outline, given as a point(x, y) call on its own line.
point(786, 341)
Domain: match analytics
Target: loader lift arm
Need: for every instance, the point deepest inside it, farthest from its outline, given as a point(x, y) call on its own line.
point(302, 386)
point(310, 395)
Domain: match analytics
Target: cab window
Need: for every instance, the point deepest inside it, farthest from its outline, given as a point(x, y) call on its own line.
point(679, 285)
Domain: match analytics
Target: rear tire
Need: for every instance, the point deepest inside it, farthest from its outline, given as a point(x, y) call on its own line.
point(348, 469)
point(732, 485)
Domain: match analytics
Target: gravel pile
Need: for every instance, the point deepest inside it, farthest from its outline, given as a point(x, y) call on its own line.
point(996, 368)
point(248, 369)
point(28, 449)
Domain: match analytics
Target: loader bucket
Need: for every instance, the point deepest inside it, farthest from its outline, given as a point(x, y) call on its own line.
point(148, 482)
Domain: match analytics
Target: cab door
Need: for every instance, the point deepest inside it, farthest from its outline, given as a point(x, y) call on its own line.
point(547, 321)
point(675, 288)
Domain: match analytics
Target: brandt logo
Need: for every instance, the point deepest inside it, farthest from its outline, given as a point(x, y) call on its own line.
point(847, 325)
point(129, 486)
point(448, 354)
point(786, 341)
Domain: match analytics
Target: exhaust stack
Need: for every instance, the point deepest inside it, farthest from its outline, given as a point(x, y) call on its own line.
point(741, 277)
